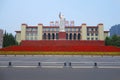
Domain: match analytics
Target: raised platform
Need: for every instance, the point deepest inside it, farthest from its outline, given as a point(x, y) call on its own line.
point(62, 46)
point(61, 43)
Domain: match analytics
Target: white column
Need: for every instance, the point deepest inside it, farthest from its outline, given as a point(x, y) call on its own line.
point(100, 31)
point(23, 31)
point(84, 32)
point(40, 30)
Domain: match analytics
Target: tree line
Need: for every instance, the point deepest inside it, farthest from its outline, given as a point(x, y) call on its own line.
point(113, 41)
point(9, 39)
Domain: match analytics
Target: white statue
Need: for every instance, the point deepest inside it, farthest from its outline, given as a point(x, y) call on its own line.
point(62, 22)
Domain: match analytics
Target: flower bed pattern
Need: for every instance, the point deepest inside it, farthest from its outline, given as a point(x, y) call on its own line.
point(63, 48)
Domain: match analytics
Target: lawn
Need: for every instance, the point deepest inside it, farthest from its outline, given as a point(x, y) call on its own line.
point(57, 53)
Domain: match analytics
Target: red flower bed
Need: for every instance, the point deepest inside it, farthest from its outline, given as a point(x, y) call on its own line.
point(63, 48)
point(61, 43)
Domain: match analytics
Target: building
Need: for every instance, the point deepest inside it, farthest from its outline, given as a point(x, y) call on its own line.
point(51, 32)
point(61, 30)
point(115, 30)
point(1, 38)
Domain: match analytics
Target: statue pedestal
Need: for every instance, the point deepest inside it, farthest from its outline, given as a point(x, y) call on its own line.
point(62, 35)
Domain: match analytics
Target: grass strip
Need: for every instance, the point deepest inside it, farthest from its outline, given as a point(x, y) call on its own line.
point(58, 53)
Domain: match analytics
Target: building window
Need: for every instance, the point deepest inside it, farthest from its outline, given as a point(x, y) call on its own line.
point(92, 29)
point(78, 36)
point(74, 36)
point(57, 29)
point(78, 29)
point(96, 38)
point(74, 29)
point(34, 34)
point(34, 29)
point(31, 34)
point(53, 36)
point(92, 38)
point(87, 29)
point(70, 36)
point(44, 29)
point(27, 34)
point(70, 29)
point(96, 29)
point(67, 36)
point(88, 38)
point(96, 34)
point(28, 29)
point(31, 29)
point(44, 36)
point(49, 36)
point(92, 34)
point(48, 29)
point(52, 29)
point(57, 36)
point(88, 34)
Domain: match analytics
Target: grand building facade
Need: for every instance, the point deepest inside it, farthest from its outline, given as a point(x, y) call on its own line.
point(52, 32)
point(61, 30)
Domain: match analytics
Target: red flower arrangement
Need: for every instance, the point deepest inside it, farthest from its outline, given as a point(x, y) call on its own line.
point(63, 48)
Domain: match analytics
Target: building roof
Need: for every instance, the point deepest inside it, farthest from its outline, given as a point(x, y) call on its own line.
point(51, 26)
point(31, 26)
point(70, 26)
point(18, 31)
point(91, 26)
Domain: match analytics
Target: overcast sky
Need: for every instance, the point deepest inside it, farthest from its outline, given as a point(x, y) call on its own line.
point(15, 12)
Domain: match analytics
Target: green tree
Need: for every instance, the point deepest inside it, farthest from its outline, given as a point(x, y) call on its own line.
point(118, 42)
point(108, 41)
point(114, 41)
point(9, 40)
